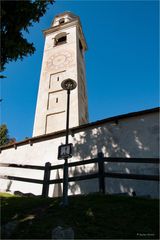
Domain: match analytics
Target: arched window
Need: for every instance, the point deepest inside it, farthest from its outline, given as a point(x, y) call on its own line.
point(61, 38)
point(62, 20)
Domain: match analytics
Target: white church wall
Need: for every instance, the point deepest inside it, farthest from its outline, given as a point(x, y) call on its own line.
point(128, 137)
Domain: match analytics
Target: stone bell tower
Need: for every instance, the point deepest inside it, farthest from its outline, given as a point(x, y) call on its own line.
point(63, 58)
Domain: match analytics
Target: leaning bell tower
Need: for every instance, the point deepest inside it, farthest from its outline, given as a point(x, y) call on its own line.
point(63, 58)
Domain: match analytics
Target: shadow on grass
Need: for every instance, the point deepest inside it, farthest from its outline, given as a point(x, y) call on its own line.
point(92, 216)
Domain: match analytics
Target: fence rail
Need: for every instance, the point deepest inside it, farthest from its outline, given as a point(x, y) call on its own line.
point(101, 174)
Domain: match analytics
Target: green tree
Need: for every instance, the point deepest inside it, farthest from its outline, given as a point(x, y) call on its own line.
point(17, 17)
point(4, 136)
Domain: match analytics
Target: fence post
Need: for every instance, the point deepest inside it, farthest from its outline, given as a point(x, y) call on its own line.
point(47, 172)
point(101, 173)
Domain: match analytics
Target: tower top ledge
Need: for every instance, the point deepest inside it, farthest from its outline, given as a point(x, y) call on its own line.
point(64, 20)
point(64, 17)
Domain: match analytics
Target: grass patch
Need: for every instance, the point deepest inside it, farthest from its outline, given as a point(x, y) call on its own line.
point(6, 195)
point(91, 217)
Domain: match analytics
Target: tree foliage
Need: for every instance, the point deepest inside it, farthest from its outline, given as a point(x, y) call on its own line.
point(17, 17)
point(4, 136)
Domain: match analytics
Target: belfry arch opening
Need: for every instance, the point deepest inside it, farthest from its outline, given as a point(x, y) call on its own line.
point(80, 47)
point(60, 38)
point(62, 20)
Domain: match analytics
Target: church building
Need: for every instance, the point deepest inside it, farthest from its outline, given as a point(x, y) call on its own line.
point(133, 135)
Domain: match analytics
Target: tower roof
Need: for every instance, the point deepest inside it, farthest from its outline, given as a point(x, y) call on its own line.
point(67, 13)
point(66, 16)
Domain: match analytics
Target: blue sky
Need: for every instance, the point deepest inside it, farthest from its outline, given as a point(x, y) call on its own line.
point(121, 62)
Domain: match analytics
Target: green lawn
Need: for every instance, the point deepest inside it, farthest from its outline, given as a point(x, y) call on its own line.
point(91, 217)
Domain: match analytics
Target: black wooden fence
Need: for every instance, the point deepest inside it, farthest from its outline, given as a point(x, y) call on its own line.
point(100, 174)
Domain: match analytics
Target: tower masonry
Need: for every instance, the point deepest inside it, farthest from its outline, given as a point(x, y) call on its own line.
point(63, 58)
